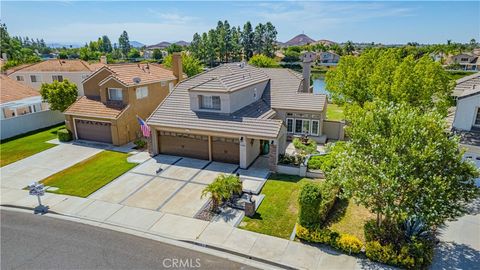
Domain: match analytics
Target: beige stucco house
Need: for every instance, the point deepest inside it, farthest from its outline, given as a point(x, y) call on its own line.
point(115, 95)
point(48, 71)
point(236, 112)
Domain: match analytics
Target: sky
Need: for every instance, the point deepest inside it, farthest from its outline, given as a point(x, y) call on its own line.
point(150, 22)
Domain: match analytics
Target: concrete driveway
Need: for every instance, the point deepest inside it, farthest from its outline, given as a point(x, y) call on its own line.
point(169, 184)
point(39, 166)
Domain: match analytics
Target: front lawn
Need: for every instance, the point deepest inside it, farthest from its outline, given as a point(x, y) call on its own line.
point(347, 217)
point(334, 112)
point(84, 178)
point(278, 212)
point(22, 146)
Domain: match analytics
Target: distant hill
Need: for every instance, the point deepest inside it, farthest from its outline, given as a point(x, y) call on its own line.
point(299, 40)
point(325, 42)
point(165, 44)
point(66, 45)
point(136, 44)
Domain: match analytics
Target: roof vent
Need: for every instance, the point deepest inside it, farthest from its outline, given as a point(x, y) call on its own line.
point(136, 80)
point(241, 65)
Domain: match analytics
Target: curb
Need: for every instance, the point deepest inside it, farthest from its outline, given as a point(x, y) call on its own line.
point(183, 243)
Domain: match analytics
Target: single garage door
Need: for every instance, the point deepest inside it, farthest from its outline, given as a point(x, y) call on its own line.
point(180, 144)
point(225, 150)
point(93, 131)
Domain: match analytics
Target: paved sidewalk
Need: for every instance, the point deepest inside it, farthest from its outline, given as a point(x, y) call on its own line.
point(289, 253)
point(20, 174)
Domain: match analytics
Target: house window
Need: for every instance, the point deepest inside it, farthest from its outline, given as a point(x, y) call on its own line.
point(209, 102)
point(315, 125)
point(58, 78)
point(170, 86)
point(33, 78)
point(305, 126)
point(289, 125)
point(464, 59)
point(142, 92)
point(302, 126)
point(477, 118)
point(115, 94)
point(20, 78)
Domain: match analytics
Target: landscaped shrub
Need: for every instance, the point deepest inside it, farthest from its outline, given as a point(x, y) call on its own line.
point(309, 200)
point(324, 236)
point(140, 144)
point(309, 148)
point(349, 243)
point(318, 162)
point(64, 135)
point(294, 160)
point(329, 197)
point(376, 252)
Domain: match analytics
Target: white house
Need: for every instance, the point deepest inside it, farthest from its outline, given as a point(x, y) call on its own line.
point(47, 71)
point(22, 109)
point(467, 114)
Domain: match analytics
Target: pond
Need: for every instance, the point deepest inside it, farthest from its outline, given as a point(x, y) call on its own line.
point(319, 84)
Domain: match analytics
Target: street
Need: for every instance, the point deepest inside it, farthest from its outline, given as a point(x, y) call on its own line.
point(39, 242)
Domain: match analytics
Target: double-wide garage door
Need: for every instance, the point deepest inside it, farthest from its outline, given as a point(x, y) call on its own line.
point(196, 146)
point(93, 131)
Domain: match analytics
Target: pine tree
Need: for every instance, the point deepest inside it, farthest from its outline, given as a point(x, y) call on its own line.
point(124, 44)
point(247, 40)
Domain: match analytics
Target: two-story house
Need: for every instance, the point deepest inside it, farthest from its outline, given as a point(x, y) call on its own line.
point(115, 95)
point(467, 61)
point(235, 112)
point(48, 71)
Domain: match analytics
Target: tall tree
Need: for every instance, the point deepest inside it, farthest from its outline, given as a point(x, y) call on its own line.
point(195, 46)
point(236, 45)
point(348, 47)
point(386, 75)
point(259, 38)
point(400, 163)
point(107, 44)
point(248, 40)
point(124, 44)
point(270, 40)
point(191, 65)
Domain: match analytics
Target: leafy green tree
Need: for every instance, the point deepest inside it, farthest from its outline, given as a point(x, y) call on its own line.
point(195, 46)
point(59, 95)
point(348, 47)
point(400, 162)
point(259, 38)
point(191, 65)
point(260, 60)
point(270, 40)
point(236, 45)
point(386, 75)
point(106, 44)
point(134, 53)
point(248, 40)
point(173, 48)
point(157, 54)
point(124, 44)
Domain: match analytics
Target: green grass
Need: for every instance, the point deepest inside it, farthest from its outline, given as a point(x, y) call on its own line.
point(25, 145)
point(347, 217)
point(278, 212)
point(84, 178)
point(459, 74)
point(334, 112)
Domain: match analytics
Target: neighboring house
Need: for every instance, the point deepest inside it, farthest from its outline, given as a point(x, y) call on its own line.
point(236, 112)
point(467, 114)
point(328, 58)
point(48, 71)
point(467, 61)
point(115, 95)
point(22, 109)
point(466, 83)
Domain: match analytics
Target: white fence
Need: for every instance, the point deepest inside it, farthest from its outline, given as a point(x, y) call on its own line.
point(24, 123)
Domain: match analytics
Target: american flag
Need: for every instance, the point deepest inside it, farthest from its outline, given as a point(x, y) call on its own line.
point(144, 127)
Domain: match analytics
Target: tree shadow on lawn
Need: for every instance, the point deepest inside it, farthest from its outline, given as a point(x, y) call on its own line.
point(337, 213)
point(256, 216)
point(285, 178)
point(450, 255)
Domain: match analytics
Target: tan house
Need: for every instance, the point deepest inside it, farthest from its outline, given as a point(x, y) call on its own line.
point(115, 95)
point(235, 112)
point(467, 61)
point(48, 71)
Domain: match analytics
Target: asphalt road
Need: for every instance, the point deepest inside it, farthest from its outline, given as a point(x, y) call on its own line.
point(39, 242)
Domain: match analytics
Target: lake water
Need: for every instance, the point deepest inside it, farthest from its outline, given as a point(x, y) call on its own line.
point(319, 84)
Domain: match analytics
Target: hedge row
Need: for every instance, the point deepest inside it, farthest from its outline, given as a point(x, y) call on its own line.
point(348, 243)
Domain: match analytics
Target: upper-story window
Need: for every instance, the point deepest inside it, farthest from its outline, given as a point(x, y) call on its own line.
point(209, 102)
point(141, 92)
point(464, 59)
point(34, 78)
point(115, 94)
point(58, 78)
point(20, 78)
point(170, 86)
point(477, 118)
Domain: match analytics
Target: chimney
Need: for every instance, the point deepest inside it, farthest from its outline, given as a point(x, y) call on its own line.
point(103, 59)
point(307, 60)
point(177, 66)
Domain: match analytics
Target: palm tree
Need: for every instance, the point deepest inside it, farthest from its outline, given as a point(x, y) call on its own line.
point(222, 189)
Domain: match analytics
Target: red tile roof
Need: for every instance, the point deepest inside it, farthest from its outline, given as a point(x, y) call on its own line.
point(93, 108)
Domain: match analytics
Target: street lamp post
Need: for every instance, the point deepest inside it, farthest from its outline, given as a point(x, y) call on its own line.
point(38, 190)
